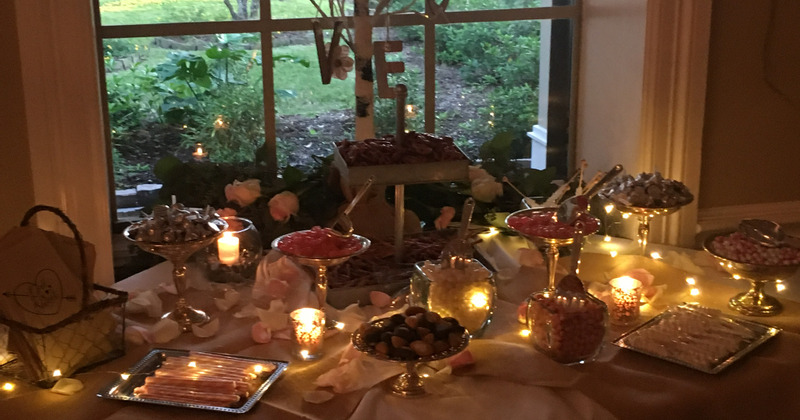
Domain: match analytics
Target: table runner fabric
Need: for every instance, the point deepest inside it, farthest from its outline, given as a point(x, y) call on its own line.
point(509, 379)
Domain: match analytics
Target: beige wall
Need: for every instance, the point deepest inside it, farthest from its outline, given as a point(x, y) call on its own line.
point(16, 180)
point(751, 142)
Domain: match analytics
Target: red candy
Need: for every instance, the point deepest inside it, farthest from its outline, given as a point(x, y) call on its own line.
point(738, 247)
point(569, 328)
point(544, 225)
point(318, 242)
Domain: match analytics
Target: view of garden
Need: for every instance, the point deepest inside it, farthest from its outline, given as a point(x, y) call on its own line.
point(165, 94)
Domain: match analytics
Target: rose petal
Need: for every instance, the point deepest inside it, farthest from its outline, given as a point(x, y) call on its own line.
point(277, 289)
point(248, 311)
point(379, 299)
point(207, 330)
point(317, 396)
point(165, 331)
point(67, 386)
point(461, 359)
point(284, 334)
point(146, 302)
point(230, 299)
point(260, 333)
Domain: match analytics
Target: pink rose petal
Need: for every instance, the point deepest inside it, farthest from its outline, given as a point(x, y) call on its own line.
point(277, 289)
point(461, 359)
point(284, 334)
point(260, 333)
point(379, 299)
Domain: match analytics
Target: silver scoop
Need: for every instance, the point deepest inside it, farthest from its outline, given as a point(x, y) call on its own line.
point(343, 220)
point(458, 252)
point(767, 233)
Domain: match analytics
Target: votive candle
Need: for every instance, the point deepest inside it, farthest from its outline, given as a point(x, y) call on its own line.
point(308, 329)
point(625, 295)
point(228, 248)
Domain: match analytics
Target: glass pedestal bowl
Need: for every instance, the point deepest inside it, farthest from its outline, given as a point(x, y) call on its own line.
point(548, 245)
point(753, 302)
point(408, 384)
point(320, 264)
point(177, 253)
point(645, 214)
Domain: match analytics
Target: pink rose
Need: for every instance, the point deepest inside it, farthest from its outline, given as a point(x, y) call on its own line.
point(226, 212)
point(283, 205)
point(444, 218)
point(243, 193)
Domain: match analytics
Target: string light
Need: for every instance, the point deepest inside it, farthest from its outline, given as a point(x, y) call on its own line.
point(125, 376)
point(606, 238)
point(339, 325)
point(655, 255)
point(8, 386)
point(613, 254)
point(779, 286)
point(57, 373)
point(525, 333)
point(694, 292)
point(691, 281)
point(626, 215)
point(609, 208)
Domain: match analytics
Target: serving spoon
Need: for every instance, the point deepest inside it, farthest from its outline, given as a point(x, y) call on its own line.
point(767, 233)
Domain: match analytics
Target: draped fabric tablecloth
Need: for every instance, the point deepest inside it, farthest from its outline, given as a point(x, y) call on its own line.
point(509, 379)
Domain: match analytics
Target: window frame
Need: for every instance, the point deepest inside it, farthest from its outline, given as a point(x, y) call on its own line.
point(561, 64)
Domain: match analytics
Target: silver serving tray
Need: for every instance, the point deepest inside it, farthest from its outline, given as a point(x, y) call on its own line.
point(122, 389)
point(762, 334)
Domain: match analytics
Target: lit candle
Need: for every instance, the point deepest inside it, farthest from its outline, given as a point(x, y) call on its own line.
point(228, 247)
point(308, 328)
point(199, 153)
point(626, 292)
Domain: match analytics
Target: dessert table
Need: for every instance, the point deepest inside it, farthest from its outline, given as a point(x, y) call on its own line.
point(508, 379)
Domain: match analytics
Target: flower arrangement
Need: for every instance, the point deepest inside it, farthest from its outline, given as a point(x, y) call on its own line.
point(300, 199)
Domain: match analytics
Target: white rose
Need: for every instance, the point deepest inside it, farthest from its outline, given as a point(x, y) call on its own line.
point(486, 189)
point(243, 193)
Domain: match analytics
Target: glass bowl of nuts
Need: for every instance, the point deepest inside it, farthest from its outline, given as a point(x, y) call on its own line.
point(412, 337)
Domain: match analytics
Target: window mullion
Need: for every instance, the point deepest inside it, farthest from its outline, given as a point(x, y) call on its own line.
point(268, 84)
point(430, 72)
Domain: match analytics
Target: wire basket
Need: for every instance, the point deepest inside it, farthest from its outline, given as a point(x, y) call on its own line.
point(93, 335)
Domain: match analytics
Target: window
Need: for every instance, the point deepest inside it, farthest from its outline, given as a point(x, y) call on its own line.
point(241, 78)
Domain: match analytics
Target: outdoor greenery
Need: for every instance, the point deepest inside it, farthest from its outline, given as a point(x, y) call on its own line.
point(208, 88)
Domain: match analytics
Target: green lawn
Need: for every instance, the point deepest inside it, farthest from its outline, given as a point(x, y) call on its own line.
point(131, 12)
point(312, 97)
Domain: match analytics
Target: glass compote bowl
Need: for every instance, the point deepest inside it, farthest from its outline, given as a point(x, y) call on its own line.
point(410, 383)
point(645, 214)
point(550, 244)
point(177, 253)
point(320, 264)
point(754, 302)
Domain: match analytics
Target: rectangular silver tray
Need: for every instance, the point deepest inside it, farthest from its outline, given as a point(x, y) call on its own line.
point(122, 388)
point(763, 333)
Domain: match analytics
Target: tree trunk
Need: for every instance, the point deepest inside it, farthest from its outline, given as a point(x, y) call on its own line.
point(365, 128)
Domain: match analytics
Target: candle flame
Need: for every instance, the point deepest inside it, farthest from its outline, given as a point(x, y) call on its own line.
point(479, 299)
point(258, 368)
point(304, 354)
point(124, 376)
point(57, 373)
point(606, 238)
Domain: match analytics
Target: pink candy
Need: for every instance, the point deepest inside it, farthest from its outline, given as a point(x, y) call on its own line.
point(738, 247)
point(318, 243)
point(542, 224)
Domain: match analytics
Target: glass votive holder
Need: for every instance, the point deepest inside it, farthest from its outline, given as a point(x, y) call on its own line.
point(626, 292)
point(234, 257)
point(308, 330)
